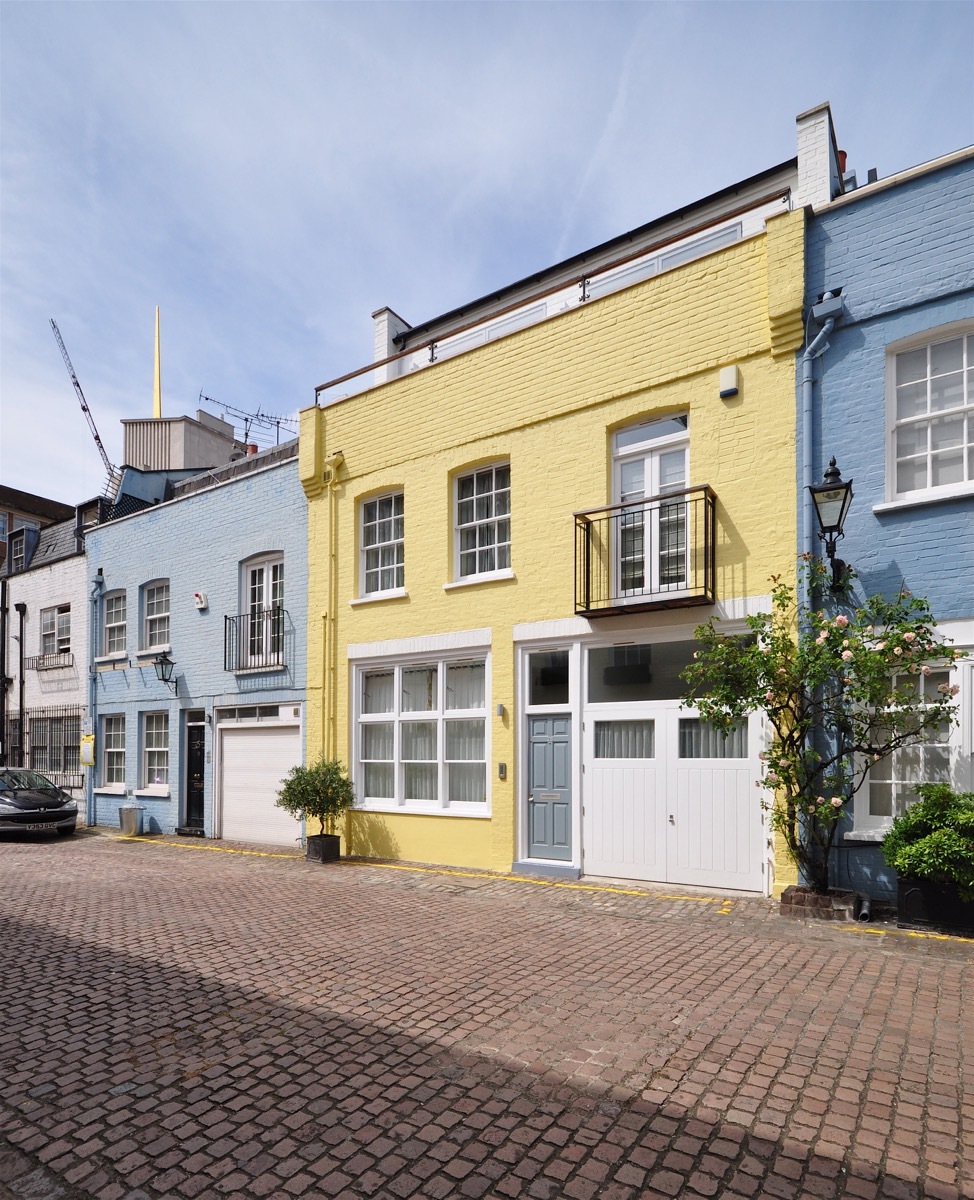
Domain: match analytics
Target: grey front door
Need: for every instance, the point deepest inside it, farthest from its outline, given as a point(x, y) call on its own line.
point(549, 786)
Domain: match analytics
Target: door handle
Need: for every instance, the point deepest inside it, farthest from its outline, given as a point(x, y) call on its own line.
point(672, 819)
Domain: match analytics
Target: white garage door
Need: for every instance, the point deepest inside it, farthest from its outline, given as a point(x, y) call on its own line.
point(253, 763)
point(665, 802)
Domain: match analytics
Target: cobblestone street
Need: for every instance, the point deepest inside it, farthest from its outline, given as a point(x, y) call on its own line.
point(181, 1020)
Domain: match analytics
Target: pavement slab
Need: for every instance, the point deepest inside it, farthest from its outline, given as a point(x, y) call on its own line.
point(192, 1019)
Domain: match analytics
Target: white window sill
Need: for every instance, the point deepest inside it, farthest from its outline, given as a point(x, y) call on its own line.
point(263, 669)
point(154, 652)
point(159, 791)
point(940, 496)
point(108, 660)
point(372, 597)
point(110, 789)
point(874, 836)
point(480, 813)
point(471, 580)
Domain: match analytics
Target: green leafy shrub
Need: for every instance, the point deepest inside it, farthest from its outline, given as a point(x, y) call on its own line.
point(322, 791)
point(934, 839)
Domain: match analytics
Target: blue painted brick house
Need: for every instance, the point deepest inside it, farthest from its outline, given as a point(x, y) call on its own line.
point(213, 578)
point(894, 403)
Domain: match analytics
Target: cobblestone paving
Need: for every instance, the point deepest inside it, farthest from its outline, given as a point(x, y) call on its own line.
point(179, 1021)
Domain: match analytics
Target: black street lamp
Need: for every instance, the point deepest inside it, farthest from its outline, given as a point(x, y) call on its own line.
point(832, 498)
point(165, 666)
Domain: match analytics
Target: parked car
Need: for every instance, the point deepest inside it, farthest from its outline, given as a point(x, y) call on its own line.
point(30, 803)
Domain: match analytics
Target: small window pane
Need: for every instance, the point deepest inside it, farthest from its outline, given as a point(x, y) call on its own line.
point(419, 741)
point(377, 742)
point(911, 366)
point(625, 739)
point(464, 741)
point(418, 689)
point(420, 782)
point(549, 677)
point(699, 739)
point(379, 781)
point(378, 692)
point(465, 685)
point(467, 782)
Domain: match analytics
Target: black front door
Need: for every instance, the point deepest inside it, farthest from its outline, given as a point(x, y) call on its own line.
point(195, 763)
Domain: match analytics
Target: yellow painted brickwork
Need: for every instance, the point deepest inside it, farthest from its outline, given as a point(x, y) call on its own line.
point(547, 399)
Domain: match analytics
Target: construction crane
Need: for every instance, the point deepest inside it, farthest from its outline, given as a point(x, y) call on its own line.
point(114, 476)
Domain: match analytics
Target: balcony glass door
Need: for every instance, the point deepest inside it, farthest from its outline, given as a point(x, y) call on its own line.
point(651, 550)
point(265, 632)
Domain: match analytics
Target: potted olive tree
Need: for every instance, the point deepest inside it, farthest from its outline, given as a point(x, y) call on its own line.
point(323, 792)
point(931, 847)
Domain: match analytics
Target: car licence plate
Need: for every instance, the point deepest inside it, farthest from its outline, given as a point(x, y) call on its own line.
point(37, 828)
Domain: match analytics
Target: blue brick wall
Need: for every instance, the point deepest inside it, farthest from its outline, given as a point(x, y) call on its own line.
point(904, 259)
point(198, 542)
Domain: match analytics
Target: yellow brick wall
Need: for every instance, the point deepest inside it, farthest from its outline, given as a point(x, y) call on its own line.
point(547, 399)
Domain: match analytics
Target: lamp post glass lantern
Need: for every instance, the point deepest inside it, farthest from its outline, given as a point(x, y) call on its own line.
point(165, 666)
point(832, 498)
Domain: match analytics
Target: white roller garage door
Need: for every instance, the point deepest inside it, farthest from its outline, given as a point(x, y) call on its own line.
point(252, 764)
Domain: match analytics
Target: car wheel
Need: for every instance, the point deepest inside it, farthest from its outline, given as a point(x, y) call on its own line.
point(66, 830)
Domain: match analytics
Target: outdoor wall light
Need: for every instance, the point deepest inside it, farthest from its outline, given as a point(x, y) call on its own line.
point(165, 666)
point(832, 498)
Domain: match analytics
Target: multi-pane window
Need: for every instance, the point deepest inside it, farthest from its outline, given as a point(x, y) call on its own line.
point(891, 787)
point(54, 741)
point(155, 749)
point(484, 521)
point(423, 734)
point(933, 416)
point(651, 462)
point(56, 630)
point(383, 550)
point(113, 641)
point(264, 584)
point(156, 614)
point(113, 750)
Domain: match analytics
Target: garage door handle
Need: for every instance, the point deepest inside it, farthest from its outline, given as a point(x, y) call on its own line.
point(672, 819)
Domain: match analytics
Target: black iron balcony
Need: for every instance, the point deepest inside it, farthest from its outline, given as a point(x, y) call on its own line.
point(657, 552)
point(256, 641)
point(48, 662)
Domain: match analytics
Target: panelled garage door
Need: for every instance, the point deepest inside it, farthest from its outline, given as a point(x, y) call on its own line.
point(253, 763)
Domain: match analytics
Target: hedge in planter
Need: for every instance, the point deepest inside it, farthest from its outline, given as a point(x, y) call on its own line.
point(931, 848)
point(322, 792)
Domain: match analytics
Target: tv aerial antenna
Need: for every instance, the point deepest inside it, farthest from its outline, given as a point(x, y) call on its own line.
point(259, 420)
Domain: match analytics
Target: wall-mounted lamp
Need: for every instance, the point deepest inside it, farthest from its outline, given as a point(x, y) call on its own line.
point(165, 666)
point(832, 498)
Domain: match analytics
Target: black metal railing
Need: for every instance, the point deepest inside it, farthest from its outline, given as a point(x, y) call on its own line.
point(46, 662)
point(255, 640)
point(48, 740)
point(652, 553)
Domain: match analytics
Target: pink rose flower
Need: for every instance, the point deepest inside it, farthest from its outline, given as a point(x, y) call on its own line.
point(842, 622)
point(909, 637)
point(846, 655)
point(836, 802)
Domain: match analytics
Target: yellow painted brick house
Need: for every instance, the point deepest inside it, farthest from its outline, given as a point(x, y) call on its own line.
point(516, 526)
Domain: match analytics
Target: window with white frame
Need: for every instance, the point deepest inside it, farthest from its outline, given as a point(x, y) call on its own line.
point(262, 643)
point(483, 516)
point(932, 416)
point(155, 750)
point(113, 750)
point(422, 735)
point(890, 788)
point(156, 615)
point(650, 462)
point(56, 630)
point(113, 632)
point(383, 547)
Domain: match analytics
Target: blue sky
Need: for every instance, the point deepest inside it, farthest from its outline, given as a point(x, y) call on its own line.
point(269, 174)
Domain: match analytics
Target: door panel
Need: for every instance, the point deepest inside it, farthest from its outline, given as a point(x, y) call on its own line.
point(549, 788)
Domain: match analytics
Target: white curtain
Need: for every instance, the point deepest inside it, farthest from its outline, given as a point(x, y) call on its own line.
point(465, 685)
point(418, 689)
point(699, 739)
point(468, 781)
point(378, 692)
point(625, 739)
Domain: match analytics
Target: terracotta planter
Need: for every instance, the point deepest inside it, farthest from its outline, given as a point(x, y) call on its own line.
point(923, 904)
point(323, 847)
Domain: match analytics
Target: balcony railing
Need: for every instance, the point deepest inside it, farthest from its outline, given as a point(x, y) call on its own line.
point(256, 641)
point(47, 662)
point(652, 553)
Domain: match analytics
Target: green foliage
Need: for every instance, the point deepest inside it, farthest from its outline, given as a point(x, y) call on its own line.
point(322, 792)
point(934, 839)
point(841, 690)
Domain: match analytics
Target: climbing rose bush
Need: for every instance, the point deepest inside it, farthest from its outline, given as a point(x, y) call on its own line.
point(842, 686)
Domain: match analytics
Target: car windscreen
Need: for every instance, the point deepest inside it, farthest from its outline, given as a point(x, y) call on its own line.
point(21, 781)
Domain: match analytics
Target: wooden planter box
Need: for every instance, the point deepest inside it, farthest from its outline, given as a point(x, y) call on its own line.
point(922, 904)
point(323, 847)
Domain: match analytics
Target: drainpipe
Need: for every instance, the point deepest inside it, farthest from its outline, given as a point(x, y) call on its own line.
point(21, 608)
point(824, 314)
point(97, 586)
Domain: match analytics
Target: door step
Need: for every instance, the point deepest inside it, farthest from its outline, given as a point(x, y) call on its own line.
point(546, 870)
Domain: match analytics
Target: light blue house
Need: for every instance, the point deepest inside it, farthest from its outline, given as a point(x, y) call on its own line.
point(208, 582)
point(893, 401)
